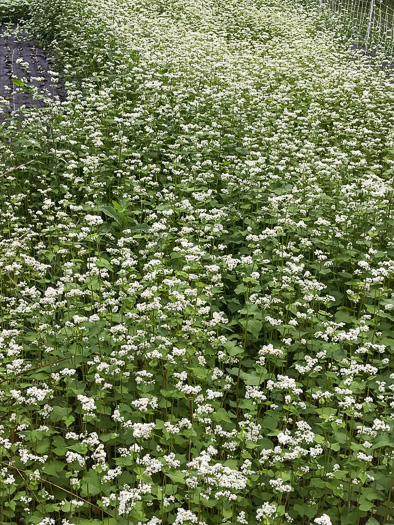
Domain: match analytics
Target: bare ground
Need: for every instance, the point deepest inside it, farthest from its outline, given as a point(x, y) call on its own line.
point(15, 48)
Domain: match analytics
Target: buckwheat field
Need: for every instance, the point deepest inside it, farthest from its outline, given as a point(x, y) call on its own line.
point(197, 270)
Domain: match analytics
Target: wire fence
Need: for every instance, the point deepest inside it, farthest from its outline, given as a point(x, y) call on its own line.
point(369, 23)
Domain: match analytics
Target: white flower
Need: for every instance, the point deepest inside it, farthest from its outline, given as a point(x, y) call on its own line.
point(266, 511)
point(323, 520)
point(74, 456)
point(93, 220)
point(88, 404)
point(142, 430)
point(185, 516)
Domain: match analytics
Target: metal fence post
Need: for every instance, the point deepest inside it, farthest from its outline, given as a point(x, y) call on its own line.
point(320, 6)
point(371, 7)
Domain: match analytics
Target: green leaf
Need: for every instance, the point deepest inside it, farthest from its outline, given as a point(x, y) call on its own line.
point(283, 190)
point(240, 289)
point(111, 212)
point(251, 378)
point(347, 516)
point(326, 413)
point(252, 326)
point(125, 461)
point(103, 263)
point(343, 316)
point(17, 82)
point(91, 485)
point(221, 415)
point(176, 477)
point(269, 423)
point(235, 350)
point(59, 413)
point(69, 420)
point(340, 437)
point(199, 372)
point(170, 489)
point(43, 446)
point(317, 482)
point(365, 505)
point(384, 440)
point(53, 467)
point(177, 255)
point(304, 509)
point(60, 446)
point(371, 494)
point(140, 227)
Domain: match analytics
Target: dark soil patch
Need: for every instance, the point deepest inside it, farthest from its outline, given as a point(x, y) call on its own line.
point(21, 61)
point(386, 65)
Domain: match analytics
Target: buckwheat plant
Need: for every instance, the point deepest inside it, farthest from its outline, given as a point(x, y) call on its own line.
point(196, 272)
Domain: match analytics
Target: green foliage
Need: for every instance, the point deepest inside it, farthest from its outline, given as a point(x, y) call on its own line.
point(13, 10)
point(197, 272)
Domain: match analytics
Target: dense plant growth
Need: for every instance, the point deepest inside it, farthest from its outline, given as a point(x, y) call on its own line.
point(196, 272)
point(13, 9)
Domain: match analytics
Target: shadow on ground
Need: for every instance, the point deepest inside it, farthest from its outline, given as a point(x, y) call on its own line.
point(25, 78)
